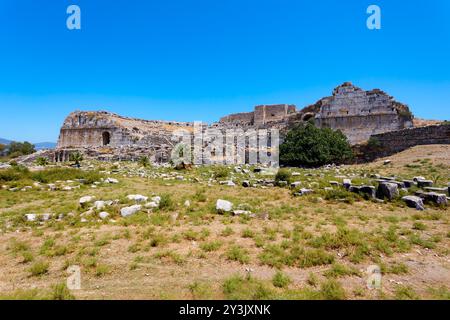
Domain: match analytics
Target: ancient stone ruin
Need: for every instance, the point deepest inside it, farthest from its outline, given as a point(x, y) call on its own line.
point(360, 114)
point(357, 113)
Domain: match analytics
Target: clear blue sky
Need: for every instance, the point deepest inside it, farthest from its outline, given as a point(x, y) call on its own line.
point(202, 59)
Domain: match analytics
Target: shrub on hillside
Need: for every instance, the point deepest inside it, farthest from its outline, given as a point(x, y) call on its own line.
point(144, 161)
point(41, 161)
point(17, 173)
point(77, 158)
point(283, 175)
point(307, 145)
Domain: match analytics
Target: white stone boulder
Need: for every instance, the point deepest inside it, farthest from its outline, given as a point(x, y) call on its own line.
point(128, 211)
point(156, 199)
point(151, 205)
point(223, 206)
point(137, 197)
point(31, 217)
point(103, 215)
point(85, 200)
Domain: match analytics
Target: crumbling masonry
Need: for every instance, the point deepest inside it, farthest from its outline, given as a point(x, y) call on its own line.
point(357, 113)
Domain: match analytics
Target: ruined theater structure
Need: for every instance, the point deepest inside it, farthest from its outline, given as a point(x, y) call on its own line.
point(359, 114)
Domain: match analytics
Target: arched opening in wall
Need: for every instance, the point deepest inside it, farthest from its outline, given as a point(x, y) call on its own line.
point(308, 116)
point(106, 138)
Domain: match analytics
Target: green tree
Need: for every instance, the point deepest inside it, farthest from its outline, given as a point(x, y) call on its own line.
point(77, 158)
point(307, 145)
point(20, 148)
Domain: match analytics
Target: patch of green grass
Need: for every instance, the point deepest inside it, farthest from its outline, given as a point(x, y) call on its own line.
point(396, 268)
point(339, 270)
point(237, 253)
point(228, 231)
point(201, 291)
point(238, 288)
point(312, 280)
point(49, 175)
point(200, 196)
point(39, 268)
point(90, 262)
point(220, 172)
point(191, 235)
point(332, 290)
point(419, 226)
point(17, 246)
point(276, 256)
point(248, 233)
point(281, 280)
point(341, 195)
point(171, 255)
point(405, 293)
point(166, 203)
point(351, 239)
point(61, 292)
point(27, 257)
point(101, 270)
point(441, 293)
point(211, 246)
point(158, 240)
point(135, 247)
point(417, 240)
point(23, 295)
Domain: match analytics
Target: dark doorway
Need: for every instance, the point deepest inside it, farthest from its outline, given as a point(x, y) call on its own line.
point(106, 138)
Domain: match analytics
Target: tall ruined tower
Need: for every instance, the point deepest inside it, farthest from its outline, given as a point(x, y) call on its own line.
point(360, 114)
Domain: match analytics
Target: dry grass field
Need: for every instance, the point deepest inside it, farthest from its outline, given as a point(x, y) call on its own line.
point(315, 246)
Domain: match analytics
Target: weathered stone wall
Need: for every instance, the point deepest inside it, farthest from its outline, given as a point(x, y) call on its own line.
point(397, 141)
point(359, 128)
point(95, 129)
point(360, 114)
point(273, 113)
point(357, 113)
point(389, 143)
point(261, 115)
point(245, 118)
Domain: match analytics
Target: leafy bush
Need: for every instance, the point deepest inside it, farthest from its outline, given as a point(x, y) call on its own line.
point(55, 174)
point(220, 172)
point(39, 268)
point(166, 203)
point(374, 143)
point(76, 157)
point(17, 173)
point(307, 145)
point(17, 149)
point(283, 175)
point(14, 174)
point(41, 161)
point(144, 162)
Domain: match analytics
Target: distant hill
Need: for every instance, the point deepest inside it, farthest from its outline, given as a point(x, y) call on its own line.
point(4, 141)
point(45, 145)
point(38, 145)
